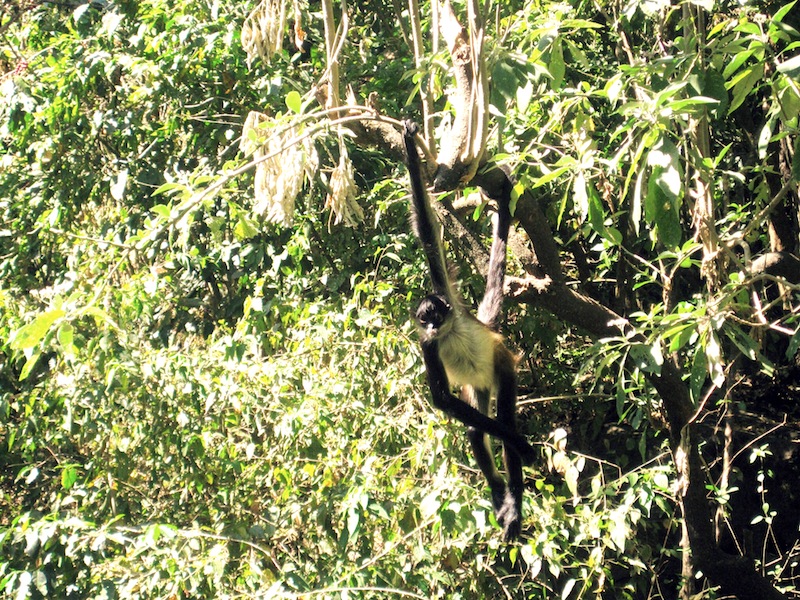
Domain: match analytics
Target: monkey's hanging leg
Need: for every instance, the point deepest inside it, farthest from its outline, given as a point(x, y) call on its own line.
point(470, 416)
point(511, 512)
point(484, 457)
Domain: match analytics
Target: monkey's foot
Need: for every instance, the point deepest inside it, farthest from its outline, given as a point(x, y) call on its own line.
point(508, 511)
point(510, 517)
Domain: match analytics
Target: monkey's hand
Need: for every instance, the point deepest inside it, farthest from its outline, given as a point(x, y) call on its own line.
point(410, 128)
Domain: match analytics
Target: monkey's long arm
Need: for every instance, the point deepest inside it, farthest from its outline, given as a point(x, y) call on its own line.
point(426, 226)
point(444, 400)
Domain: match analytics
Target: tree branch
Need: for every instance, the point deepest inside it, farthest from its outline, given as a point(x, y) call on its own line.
point(463, 145)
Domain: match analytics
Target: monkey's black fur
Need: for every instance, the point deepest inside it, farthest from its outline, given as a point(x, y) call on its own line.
point(463, 351)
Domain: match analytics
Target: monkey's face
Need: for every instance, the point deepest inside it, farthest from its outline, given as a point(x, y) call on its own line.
point(431, 314)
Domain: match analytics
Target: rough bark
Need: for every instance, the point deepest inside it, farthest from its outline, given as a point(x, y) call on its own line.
point(463, 145)
point(778, 264)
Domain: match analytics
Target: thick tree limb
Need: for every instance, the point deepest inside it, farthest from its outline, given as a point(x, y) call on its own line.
point(463, 145)
point(380, 134)
point(778, 264)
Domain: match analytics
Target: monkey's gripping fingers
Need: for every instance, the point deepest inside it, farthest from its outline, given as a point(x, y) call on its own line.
point(410, 128)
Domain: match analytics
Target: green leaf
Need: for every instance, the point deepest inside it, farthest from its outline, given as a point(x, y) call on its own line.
point(169, 187)
point(162, 210)
point(29, 364)
point(554, 174)
point(692, 105)
point(664, 190)
point(697, 376)
point(516, 193)
point(647, 357)
point(30, 335)
point(245, 228)
point(714, 87)
point(99, 315)
point(743, 342)
point(504, 83)
point(595, 210)
point(613, 88)
point(69, 475)
point(294, 102)
point(796, 161)
point(745, 85)
point(557, 67)
point(65, 336)
point(794, 343)
point(662, 212)
point(782, 12)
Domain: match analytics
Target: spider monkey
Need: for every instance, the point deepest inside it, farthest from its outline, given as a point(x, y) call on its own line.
point(464, 351)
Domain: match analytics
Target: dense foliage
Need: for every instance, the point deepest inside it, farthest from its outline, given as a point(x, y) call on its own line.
point(196, 402)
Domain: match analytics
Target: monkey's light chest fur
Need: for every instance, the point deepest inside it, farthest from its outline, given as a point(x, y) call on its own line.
point(467, 349)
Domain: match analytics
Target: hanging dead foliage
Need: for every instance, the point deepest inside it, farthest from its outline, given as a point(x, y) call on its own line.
point(283, 164)
point(262, 31)
point(342, 198)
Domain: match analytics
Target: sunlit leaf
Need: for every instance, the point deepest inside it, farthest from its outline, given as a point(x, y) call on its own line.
point(580, 197)
point(294, 102)
point(245, 228)
point(568, 587)
point(118, 185)
point(782, 12)
point(665, 160)
point(30, 335)
point(765, 136)
point(80, 11)
point(746, 85)
point(552, 175)
point(647, 357)
point(65, 336)
point(27, 368)
point(69, 475)
point(714, 360)
point(162, 210)
point(556, 65)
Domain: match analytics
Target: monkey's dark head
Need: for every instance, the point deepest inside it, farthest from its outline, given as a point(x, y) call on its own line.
point(432, 314)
